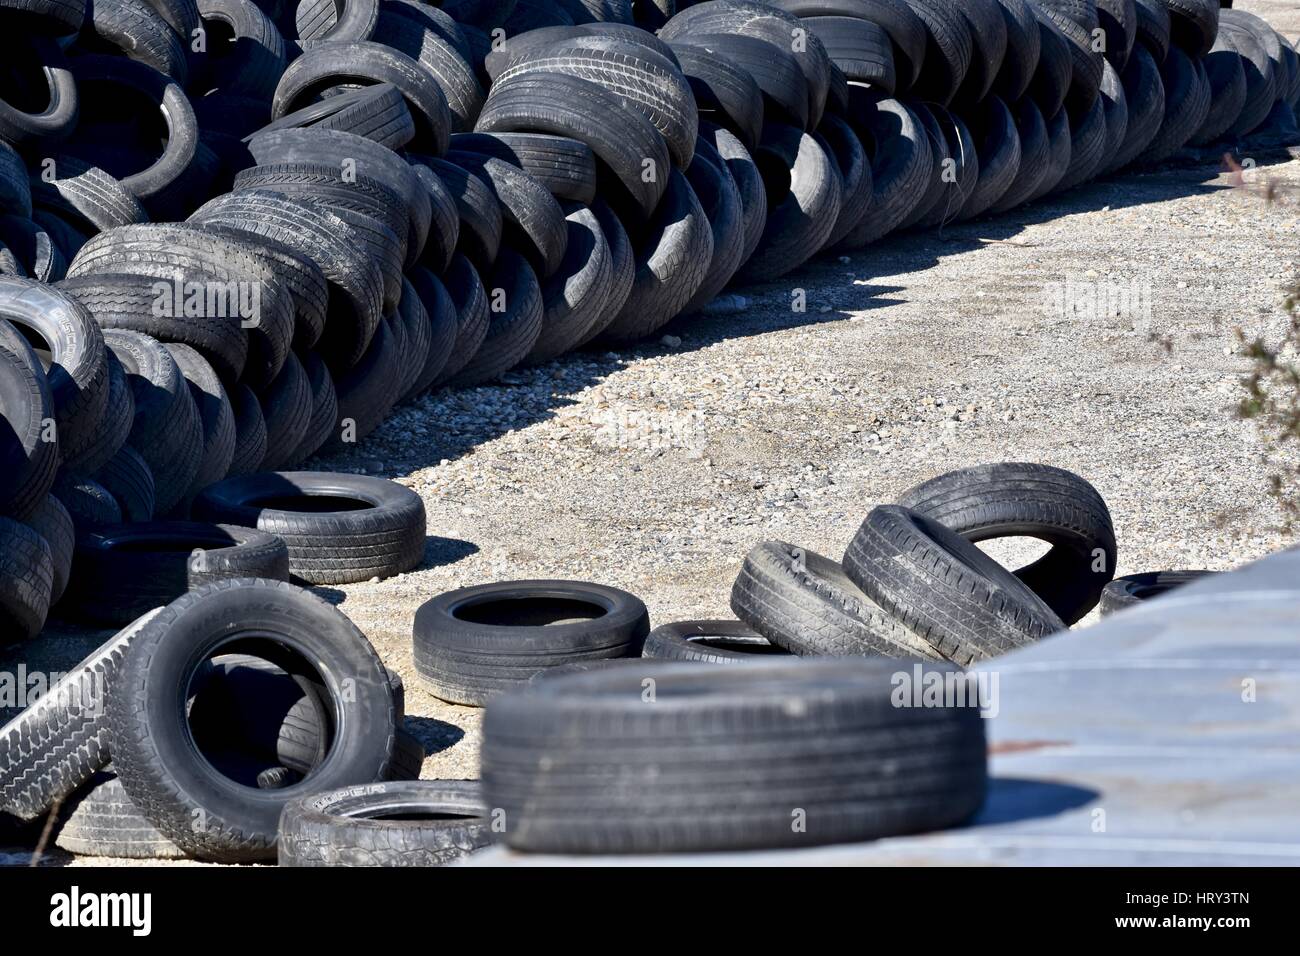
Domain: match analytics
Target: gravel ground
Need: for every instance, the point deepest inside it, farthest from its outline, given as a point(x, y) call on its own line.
point(656, 469)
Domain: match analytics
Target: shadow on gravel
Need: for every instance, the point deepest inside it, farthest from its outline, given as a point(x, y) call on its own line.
point(436, 735)
point(1012, 798)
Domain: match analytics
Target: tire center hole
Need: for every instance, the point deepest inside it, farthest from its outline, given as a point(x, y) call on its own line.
point(529, 612)
point(309, 504)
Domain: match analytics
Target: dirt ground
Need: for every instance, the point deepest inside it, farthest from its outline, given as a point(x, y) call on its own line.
point(656, 469)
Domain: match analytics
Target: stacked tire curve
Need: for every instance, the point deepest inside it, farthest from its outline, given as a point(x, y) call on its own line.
point(349, 209)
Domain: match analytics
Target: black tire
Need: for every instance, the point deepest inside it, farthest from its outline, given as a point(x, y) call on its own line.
point(672, 259)
point(122, 572)
point(250, 432)
point(532, 221)
point(514, 299)
point(48, 17)
point(469, 298)
point(1193, 25)
point(55, 114)
point(29, 453)
point(413, 320)
point(571, 106)
point(901, 164)
point(444, 216)
point(860, 48)
point(1119, 19)
point(1059, 146)
point(804, 602)
point(749, 183)
point(446, 820)
point(15, 190)
point(997, 142)
point(216, 417)
point(440, 59)
point(115, 426)
point(1077, 20)
point(166, 186)
point(1013, 499)
point(949, 48)
point(101, 821)
point(129, 480)
point(958, 147)
point(72, 347)
point(906, 30)
point(574, 298)
point(89, 198)
point(381, 535)
point(711, 181)
point(287, 405)
point(341, 21)
point(774, 69)
point(127, 302)
point(1187, 101)
point(165, 775)
point(444, 326)
point(943, 588)
point(167, 430)
point(324, 408)
point(1024, 48)
point(725, 92)
point(1227, 76)
point(988, 32)
point(1087, 145)
point(1134, 589)
point(483, 14)
point(367, 63)
point(939, 192)
point(378, 113)
point(1051, 81)
point(67, 239)
point(26, 581)
point(57, 744)
point(367, 392)
point(804, 190)
point(1153, 27)
point(135, 30)
point(1031, 128)
point(857, 185)
point(566, 167)
point(1144, 92)
point(1261, 88)
point(474, 643)
point(481, 223)
point(732, 755)
point(379, 244)
point(709, 642)
point(1115, 105)
point(35, 249)
point(622, 269)
point(52, 522)
point(254, 56)
point(90, 504)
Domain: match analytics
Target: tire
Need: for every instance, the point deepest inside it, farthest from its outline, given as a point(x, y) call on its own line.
point(1133, 589)
point(89, 198)
point(513, 331)
point(115, 426)
point(774, 69)
point(35, 249)
point(1154, 28)
point(1118, 18)
point(901, 164)
point(857, 186)
point(797, 167)
point(414, 321)
point(440, 59)
point(250, 432)
point(352, 827)
point(57, 744)
point(1193, 25)
point(318, 145)
point(49, 17)
point(803, 602)
point(367, 392)
point(59, 108)
point(52, 522)
point(574, 298)
point(566, 167)
point(378, 113)
point(708, 642)
point(122, 572)
point(988, 32)
point(623, 269)
point(1227, 77)
point(77, 372)
point(725, 92)
point(444, 326)
point(166, 186)
point(1052, 504)
point(1261, 90)
point(216, 417)
point(356, 286)
point(906, 31)
point(582, 110)
point(949, 49)
point(943, 588)
point(382, 537)
point(26, 581)
point(1087, 146)
point(861, 49)
point(324, 408)
point(128, 479)
point(323, 21)
point(532, 221)
point(15, 191)
point(941, 167)
point(474, 643)
point(1024, 48)
point(167, 430)
point(101, 821)
point(1115, 105)
point(1144, 92)
point(29, 453)
point(66, 238)
point(1035, 147)
point(472, 317)
point(999, 149)
point(749, 182)
point(137, 31)
point(1051, 81)
point(720, 199)
point(1187, 102)
point(127, 302)
point(672, 259)
point(483, 14)
point(444, 232)
point(958, 146)
point(90, 504)
point(367, 63)
point(1077, 22)
point(481, 220)
point(255, 57)
point(165, 775)
point(580, 764)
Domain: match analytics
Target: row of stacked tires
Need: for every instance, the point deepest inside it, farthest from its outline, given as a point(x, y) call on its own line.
point(358, 221)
